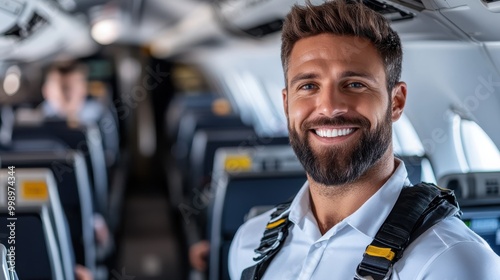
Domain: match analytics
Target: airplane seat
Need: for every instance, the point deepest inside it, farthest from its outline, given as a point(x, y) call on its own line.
point(413, 166)
point(257, 210)
point(6, 272)
point(478, 194)
point(178, 172)
point(70, 171)
point(109, 126)
point(205, 145)
point(207, 141)
point(36, 250)
point(85, 139)
point(182, 103)
point(268, 176)
point(192, 122)
point(242, 192)
point(37, 226)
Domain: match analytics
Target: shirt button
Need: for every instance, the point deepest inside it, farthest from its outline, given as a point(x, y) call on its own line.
point(317, 245)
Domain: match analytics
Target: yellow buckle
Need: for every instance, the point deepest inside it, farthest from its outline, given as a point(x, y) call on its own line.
point(380, 252)
point(275, 224)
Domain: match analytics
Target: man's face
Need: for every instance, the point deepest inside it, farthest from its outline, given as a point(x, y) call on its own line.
point(338, 109)
point(74, 87)
point(66, 93)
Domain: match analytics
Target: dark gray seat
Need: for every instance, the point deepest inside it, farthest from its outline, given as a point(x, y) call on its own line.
point(70, 171)
point(238, 191)
point(191, 123)
point(42, 241)
point(85, 139)
point(180, 104)
point(234, 201)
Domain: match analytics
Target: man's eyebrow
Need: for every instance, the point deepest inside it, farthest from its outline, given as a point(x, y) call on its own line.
point(347, 74)
point(303, 76)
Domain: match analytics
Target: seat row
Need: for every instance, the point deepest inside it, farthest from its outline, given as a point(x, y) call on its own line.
point(69, 161)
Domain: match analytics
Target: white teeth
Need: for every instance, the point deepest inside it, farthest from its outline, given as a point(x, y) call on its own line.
point(330, 133)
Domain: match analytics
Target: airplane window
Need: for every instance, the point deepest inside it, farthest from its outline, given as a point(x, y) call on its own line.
point(406, 140)
point(480, 151)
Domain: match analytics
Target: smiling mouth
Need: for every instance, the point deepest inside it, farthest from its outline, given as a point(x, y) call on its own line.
point(332, 133)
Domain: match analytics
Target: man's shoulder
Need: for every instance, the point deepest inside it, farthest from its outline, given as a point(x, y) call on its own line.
point(452, 231)
point(246, 240)
point(257, 224)
point(449, 248)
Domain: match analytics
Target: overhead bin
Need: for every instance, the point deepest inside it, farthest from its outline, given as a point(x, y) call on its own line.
point(31, 30)
point(258, 18)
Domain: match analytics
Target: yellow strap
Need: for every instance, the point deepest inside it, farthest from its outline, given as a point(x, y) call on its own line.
point(380, 252)
point(275, 224)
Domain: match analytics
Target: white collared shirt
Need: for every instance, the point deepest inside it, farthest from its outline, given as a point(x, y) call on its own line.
point(448, 250)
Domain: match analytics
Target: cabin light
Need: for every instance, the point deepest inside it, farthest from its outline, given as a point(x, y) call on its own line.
point(12, 80)
point(106, 31)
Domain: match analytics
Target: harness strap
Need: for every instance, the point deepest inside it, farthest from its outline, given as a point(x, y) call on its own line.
point(274, 236)
point(417, 209)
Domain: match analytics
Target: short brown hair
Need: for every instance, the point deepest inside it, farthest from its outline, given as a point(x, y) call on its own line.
point(68, 67)
point(344, 17)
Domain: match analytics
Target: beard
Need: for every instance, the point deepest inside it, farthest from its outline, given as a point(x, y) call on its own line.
point(342, 164)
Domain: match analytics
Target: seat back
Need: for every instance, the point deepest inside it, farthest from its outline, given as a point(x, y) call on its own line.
point(35, 224)
point(180, 104)
point(7, 272)
point(191, 123)
point(255, 176)
point(70, 172)
point(478, 194)
point(85, 139)
point(205, 144)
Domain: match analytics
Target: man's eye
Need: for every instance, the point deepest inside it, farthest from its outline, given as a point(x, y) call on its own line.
point(355, 85)
point(308, 87)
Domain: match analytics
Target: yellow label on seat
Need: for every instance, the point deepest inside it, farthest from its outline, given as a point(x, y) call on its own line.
point(238, 163)
point(34, 190)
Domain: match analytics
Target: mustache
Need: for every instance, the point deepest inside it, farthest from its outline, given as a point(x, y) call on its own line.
point(337, 121)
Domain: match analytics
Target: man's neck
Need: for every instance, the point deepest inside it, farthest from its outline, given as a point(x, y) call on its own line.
point(332, 204)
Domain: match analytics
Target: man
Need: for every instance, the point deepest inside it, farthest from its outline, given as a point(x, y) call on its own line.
point(65, 92)
point(342, 64)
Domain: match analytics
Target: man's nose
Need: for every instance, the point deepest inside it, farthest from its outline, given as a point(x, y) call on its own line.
point(331, 103)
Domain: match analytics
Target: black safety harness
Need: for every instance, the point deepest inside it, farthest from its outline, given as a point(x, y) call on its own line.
point(417, 209)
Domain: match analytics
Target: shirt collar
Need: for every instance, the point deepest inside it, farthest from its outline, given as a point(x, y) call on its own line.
point(370, 216)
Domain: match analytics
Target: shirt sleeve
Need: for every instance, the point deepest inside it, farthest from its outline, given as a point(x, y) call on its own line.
point(463, 261)
point(245, 241)
point(234, 271)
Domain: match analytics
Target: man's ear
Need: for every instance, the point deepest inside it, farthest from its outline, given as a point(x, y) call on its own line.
point(398, 100)
point(284, 94)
